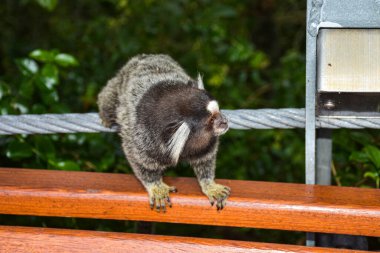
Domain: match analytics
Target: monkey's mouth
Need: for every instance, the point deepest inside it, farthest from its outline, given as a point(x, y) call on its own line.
point(222, 127)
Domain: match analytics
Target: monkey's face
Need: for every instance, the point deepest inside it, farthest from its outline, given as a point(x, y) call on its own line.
point(216, 121)
point(193, 122)
point(200, 111)
point(205, 124)
point(207, 120)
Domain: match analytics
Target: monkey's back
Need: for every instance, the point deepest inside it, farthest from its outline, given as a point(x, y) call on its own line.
point(135, 79)
point(146, 70)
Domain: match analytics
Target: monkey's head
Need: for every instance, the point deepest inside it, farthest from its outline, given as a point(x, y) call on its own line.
point(200, 111)
point(184, 118)
point(195, 121)
point(216, 120)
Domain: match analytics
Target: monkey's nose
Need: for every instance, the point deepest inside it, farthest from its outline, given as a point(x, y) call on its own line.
point(223, 123)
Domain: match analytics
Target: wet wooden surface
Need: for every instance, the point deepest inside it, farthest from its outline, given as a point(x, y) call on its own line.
point(47, 240)
point(267, 205)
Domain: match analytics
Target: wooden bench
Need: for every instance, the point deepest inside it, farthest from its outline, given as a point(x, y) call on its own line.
point(268, 205)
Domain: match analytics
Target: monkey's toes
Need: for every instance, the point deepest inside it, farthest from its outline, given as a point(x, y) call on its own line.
point(105, 123)
point(159, 196)
point(217, 193)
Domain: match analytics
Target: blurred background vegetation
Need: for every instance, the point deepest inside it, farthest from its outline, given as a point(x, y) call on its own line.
point(56, 55)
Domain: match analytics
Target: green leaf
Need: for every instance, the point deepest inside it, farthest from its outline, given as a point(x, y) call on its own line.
point(4, 89)
point(18, 150)
point(20, 108)
point(50, 98)
point(45, 147)
point(67, 165)
point(27, 66)
point(43, 55)
point(359, 156)
point(38, 109)
point(360, 137)
point(49, 76)
point(48, 4)
point(371, 174)
point(240, 51)
point(26, 89)
point(65, 60)
point(223, 11)
point(259, 60)
point(106, 161)
point(373, 154)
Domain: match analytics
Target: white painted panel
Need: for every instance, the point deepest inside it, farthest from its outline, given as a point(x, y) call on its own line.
point(348, 60)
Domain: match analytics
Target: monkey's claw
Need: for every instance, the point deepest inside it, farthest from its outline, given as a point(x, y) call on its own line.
point(216, 193)
point(159, 195)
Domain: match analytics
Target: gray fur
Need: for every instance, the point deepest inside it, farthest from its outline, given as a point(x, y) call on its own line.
point(119, 104)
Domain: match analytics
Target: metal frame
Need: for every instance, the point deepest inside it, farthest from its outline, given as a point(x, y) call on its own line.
point(327, 14)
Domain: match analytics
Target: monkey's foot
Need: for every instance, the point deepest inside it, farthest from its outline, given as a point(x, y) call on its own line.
point(216, 192)
point(159, 195)
point(111, 124)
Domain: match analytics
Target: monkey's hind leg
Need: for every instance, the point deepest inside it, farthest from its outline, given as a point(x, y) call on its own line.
point(108, 101)
point(158, 191)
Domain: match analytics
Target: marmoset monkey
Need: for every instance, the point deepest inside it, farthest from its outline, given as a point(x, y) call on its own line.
point(164, 117)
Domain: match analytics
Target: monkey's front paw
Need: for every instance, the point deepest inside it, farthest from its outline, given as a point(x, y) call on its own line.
point(159, 195)
point(216, 192)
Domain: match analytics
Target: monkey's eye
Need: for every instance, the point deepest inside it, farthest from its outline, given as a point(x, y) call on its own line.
point(211, 121)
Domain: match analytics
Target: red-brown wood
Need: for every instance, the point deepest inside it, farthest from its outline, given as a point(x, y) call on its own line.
point(46, 240)
point(252, 204)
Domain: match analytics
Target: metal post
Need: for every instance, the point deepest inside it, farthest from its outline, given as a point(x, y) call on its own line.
point(310, 99)
point(324, 156)
point(312, 19)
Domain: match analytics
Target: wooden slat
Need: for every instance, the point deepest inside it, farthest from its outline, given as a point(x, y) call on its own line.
point(46, 240)
point(252, 204)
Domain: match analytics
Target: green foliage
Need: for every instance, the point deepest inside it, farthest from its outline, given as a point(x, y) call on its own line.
point(19, 149)
point(369, 158)
point(356, 158)
point(48, 4)
point(54, 57)
point(35, 90)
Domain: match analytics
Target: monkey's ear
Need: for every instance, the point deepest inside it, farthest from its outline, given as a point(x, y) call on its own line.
point(178, 140)
point(200, 82)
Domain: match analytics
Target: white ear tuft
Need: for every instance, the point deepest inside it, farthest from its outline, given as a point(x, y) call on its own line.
point(200, 82)
point(178, 140)
point(213, 107)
